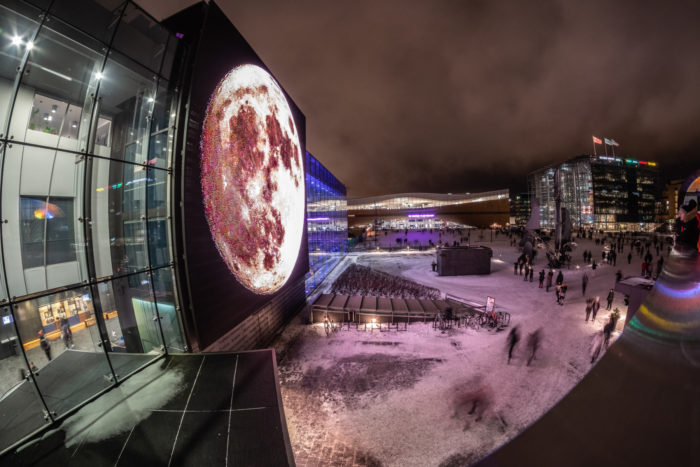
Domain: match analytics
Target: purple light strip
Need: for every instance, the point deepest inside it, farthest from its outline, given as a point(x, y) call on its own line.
point(421, 216)
point(318, 219)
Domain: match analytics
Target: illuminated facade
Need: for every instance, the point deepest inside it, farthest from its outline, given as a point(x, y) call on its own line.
point(327, 221)
point(101, 198)
point(429, 210)
point(599, 191)
point(520, 209)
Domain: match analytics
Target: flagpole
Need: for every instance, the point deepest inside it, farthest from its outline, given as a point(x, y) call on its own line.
point(605, 145)
point(613, 149)
point(594, 148)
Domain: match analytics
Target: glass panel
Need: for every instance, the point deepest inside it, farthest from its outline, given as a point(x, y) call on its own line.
point(33, 213)
point(165, 296)
point(47, 115)
point(163, 126)
point(60, 231)
point(126, 99)
point(60, 336)
point(98, 18)
point(130, 312)
point(173, 52)
point(141, 38)
point(118, 221)
point(21, 410)
point(18, 23)
point(56, 89)
point(158, 232)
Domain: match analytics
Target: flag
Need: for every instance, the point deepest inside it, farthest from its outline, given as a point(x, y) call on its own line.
point(614, 143)
point(608, 141)
point(597, 140)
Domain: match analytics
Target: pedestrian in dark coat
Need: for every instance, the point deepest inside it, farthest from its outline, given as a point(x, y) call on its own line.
point(532, 272)
point(618, 276)
point(607, 332)
point(533, 343)
point(589, 308)
point(596, 307)
point(45, 345)
point(560, 278)
point(584, 283)
point(541, 278)
point(629, 258)
point(513, 339)
point(611, 297)
point(550, 274)
point(562, 294)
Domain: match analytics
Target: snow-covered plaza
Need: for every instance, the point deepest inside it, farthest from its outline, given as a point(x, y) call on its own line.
point(397, 398)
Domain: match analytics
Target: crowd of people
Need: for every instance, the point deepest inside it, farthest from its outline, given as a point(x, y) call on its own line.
point(362, 280)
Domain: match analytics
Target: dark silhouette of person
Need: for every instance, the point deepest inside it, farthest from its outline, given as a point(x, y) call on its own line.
point(513, 339)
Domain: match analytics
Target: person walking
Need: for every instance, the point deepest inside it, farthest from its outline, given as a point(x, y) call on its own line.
point(542, 278)
point(584, 283)
point(594, 266)
point(532, 272)
point(629, 258)
point(596, 307)
point(550, 275)
point(515, 268)
point(66, 334)
point(513, 339)
point(589, 308)
point(560, 278)
point(557, 291)
point(607, 332)
point(644, 268)
point(611, 297)
point(533, 343)
point(618, 276)
point(44, 344)
point(562, 294)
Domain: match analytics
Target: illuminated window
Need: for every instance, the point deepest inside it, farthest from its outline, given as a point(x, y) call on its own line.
point(47, 231)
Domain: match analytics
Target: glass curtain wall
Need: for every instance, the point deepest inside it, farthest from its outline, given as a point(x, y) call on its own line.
point(88, 106)
point(327, 221)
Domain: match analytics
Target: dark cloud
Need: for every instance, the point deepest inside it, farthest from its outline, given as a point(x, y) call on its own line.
point(469, 96)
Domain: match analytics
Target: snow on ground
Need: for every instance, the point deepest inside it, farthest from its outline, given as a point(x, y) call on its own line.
point(392, 398)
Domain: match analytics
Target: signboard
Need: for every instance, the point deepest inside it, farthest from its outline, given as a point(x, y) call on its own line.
point(490, 304)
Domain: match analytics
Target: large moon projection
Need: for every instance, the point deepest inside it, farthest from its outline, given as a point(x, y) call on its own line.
point(253, 178)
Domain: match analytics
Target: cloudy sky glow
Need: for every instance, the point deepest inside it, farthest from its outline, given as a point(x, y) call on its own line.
point(451, 96)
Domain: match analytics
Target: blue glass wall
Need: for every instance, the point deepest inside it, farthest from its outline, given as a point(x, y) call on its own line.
point(327, 221)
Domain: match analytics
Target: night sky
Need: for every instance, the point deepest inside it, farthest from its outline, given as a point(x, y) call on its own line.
point(468, 96)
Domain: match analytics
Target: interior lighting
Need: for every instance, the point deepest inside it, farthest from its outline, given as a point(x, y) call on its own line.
point(16, 40)
point(150, 99)
point(99, 75)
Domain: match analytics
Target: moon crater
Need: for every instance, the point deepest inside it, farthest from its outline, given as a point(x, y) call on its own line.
point(253, 178)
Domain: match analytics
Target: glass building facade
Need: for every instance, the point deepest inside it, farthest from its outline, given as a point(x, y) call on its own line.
point(430, 210)
point(327, 221)
point(88, 105)
point(604, 192)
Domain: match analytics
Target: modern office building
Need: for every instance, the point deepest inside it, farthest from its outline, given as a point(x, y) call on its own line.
point(668, 202)
point(520, 209)
point(429, 210)
point(124, 224)
point(327, 221)
point(599, 191)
